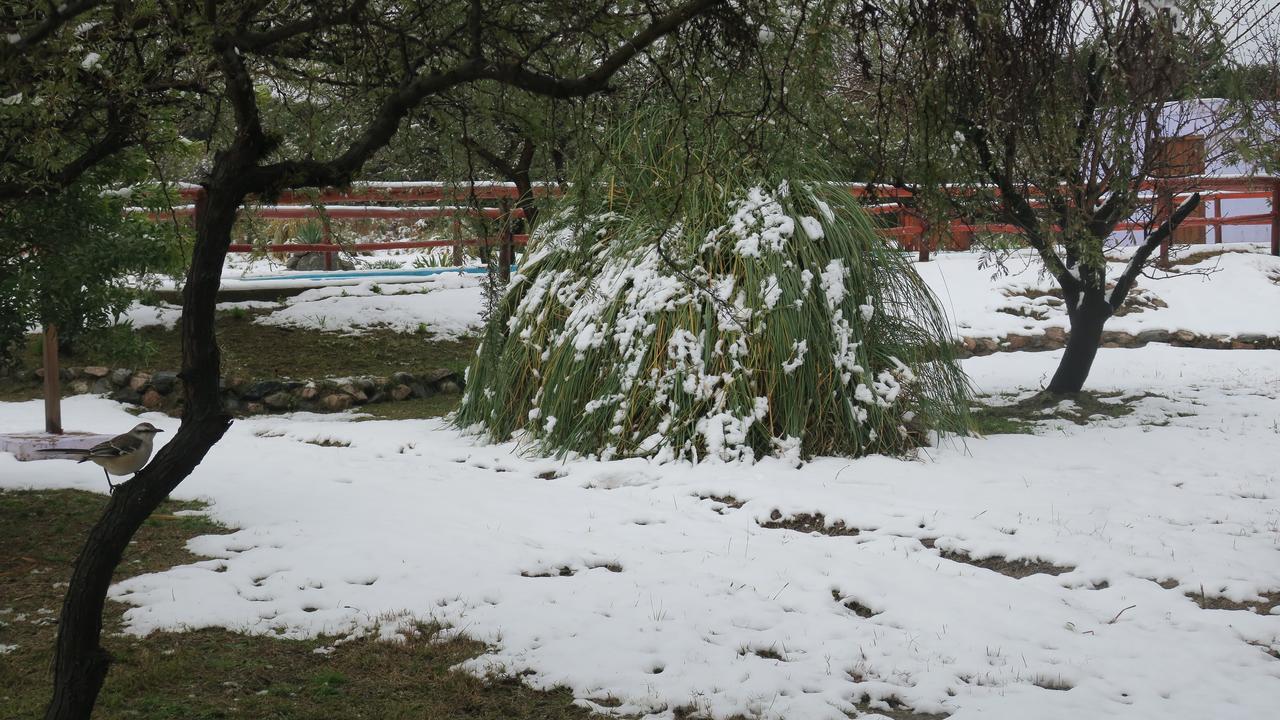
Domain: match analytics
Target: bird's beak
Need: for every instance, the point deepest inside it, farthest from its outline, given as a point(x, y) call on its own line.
point(159, 430)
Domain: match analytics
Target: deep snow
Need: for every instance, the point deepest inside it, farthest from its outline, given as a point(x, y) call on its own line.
point(414, 521)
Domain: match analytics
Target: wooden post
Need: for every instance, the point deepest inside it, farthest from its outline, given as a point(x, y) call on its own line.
point(1275, 218)
point(1217, 215)
point(506, 253)
point(52, 383)
point(457, 241)
point(326, 234)
point(1164, 211)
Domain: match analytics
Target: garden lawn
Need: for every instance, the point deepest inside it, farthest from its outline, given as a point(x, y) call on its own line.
point(1112, 564)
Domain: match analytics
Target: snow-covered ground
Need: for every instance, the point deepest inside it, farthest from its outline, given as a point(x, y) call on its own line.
point(624, 581)
point(1233, 293)
point(1230, 293)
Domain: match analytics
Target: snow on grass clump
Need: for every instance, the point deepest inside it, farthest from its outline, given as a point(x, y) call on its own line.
point(770, 320)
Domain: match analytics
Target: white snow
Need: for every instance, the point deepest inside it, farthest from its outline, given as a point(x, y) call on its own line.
point(447, 305)
point(673, 596)
point(1223, 293)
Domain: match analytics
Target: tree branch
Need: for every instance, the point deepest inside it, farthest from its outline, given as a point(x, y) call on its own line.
point(1153, 240)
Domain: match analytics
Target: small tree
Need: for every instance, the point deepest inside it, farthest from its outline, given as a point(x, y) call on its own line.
point(379, 61)
point(71, 259)
point(679, 308)
point(1061, 111)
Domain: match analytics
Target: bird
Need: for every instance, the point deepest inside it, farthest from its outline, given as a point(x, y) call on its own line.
point(121, 455)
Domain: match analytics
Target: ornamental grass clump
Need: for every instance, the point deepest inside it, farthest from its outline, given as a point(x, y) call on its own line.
point(726, 325)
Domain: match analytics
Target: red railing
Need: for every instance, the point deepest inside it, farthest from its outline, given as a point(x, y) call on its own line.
point(914, 232)
point(323, 205)
point(388, 201)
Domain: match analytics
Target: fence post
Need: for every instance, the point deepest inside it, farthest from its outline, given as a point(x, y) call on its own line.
point(326, 235)
point(457, 241)
point(1217, 215)
point(52, 383)
point(506, 253)
point(1164, 211)
point(1275, 217)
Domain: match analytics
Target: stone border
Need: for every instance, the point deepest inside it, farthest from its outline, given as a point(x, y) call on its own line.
point(1055, 338)
point(162, 390)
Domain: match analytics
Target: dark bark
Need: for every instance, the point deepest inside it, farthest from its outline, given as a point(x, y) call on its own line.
point(81, 663)
point(1087, 320)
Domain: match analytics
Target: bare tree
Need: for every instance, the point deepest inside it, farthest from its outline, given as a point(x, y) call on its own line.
point(1059, 114)
point(385, 59)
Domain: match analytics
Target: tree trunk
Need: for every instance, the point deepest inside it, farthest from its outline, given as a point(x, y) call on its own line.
point(80, 663)
point(1087, 320)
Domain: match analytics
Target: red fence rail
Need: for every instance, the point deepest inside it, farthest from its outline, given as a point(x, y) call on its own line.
point(391, 201)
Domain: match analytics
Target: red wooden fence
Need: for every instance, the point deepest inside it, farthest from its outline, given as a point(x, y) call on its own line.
point(389, 201)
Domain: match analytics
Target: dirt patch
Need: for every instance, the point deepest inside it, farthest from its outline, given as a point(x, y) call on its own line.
point(858, 608)
point(1264, 607)
point(1051, 682)
point(566, 571)
point(727, 502)
point(1004, 566)
point(809, 523)
point(1078, 408)
point(895, 709)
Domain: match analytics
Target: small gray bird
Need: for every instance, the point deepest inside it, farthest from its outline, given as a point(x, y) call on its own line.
point(123, 454)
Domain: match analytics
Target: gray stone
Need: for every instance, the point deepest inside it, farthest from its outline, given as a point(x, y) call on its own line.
point(1150, 336)
point(421, 391)
point(127, 395)
point(97, 371)
point(254, 408)
point(79, 386)
point(140, 381)
point(1184, 336)
point(1252, 338)
point(312, 261)
point(366, 385)
point(101, 386)
point(431, 377)
point(449, 387)
point(261, 389)
point(120, 377)
point(230, 403)
point(152, 400)
point(164, 381)
point(401, 392)
point(278, 400)
point(403, 378)
point(336, 402)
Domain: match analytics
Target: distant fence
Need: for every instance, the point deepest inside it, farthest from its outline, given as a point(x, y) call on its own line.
point(357, 203)
point(901, 221)
point(914, 232)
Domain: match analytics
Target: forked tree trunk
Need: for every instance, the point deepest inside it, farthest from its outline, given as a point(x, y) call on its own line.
point(80, 663)
point(1087, 320)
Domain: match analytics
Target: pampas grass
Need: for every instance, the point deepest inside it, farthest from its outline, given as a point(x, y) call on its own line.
point(670, 310)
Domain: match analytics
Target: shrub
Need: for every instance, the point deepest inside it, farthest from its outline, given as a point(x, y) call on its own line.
point(714, 320)
point(74, 259)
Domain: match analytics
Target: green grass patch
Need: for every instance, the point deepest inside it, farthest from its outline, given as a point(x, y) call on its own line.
point(1080, 408)
point(432, 407)
point(257, 351)
point(214, 673)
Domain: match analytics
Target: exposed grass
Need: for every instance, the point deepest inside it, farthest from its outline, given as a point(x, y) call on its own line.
point(260, 351)
point(692, 312)
point(434, 406)
point(214, 673)
point(1079, 408)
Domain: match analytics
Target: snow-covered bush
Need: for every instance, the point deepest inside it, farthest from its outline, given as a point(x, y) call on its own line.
point(777, 323)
